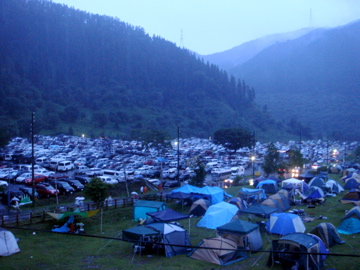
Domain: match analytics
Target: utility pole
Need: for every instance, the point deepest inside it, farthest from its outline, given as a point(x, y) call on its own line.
point(32, 157)
point(178, 153)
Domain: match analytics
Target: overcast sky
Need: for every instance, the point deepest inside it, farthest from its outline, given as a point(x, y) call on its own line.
point(210, 26)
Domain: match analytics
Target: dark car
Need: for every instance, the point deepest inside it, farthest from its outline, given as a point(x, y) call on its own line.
point(83, 179)
point(63, 187)
point(28, 191)
point(75, 184)
point(46, 190)
point(171, 184)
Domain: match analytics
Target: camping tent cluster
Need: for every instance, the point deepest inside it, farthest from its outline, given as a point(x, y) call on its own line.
point(236, 238)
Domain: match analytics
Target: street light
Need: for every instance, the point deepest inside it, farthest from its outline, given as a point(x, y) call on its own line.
point(252, 164)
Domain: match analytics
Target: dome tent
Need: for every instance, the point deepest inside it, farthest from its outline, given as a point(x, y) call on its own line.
point(328, 234)
point(8, 243)
point(217, 215)
point(284, 223)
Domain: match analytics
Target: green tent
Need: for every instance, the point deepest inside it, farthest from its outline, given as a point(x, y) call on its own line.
point(245, 234)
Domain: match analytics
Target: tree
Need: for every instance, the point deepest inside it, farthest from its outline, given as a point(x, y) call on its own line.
point(271, 160)
point(199, 177)
point(234, 138)
point(97, 191)
point(296, 158)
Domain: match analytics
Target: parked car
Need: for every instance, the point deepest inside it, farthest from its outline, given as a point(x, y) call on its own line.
point(28, 191)
point(21, 179)
point(63, 187)
point(109, 180)
point(171, 184)
point(94, 172)
point(46, 190)
point(37, 179)
point(75, 184)
point(81, 169)
point(83, 179)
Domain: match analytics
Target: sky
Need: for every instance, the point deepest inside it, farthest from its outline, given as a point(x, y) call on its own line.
point(210, 26)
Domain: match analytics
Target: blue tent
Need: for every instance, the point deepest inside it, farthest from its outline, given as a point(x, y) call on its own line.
point(284, 223)
point(250, 194)
point(351, 184)
point(218, 215)
point(349, 226)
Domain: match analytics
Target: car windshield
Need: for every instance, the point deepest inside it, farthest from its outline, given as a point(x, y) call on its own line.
point(65, 185)
point(49, 187)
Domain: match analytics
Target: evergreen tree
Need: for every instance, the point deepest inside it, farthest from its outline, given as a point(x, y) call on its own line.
point(271, 160)
point(97, 191)
point(199, 177)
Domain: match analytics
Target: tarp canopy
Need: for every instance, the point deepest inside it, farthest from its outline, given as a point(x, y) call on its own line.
point(284, 223)
point(8, 243)
point(250, 194)
point(213, 194)
point(218, 250)
point(263, 211)
point(167, 215)
point(217, 215)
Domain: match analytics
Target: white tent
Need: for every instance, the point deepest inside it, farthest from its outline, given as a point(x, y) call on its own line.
point(218, 215)
point(8, 243)
point(294, 181)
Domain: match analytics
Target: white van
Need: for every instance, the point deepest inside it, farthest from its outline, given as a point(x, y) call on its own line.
point(54, 162)
point(41, 160)
point(65, 165)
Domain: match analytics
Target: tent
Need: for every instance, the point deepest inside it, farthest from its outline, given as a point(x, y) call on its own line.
point(238, 202)
point(296, 182)
point(284, 223)
point(218, 250)
point(319, 182)
point(269, 186)
point(158, 237)
point(245, 234)
point(351, 184)
point(251, 195)
point(351, 222)
point(306, 177)
point(282, 200)
point(76, 212)
point(328, 234)
point(314, 193)
point(8, 243)
point(309, 246)
point(199, 207)
point(334, 186)
point(263, 211)
point(273, 203)
point(217, 215)
point(141, 207)
point(353, 196)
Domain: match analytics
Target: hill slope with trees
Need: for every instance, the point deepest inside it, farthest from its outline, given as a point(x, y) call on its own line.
point(92, 74)
point(313, 79)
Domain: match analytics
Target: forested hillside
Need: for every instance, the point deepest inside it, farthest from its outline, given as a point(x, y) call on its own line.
point(314, 79)
point(85, 73)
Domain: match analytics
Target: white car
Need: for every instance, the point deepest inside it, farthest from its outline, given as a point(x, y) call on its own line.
point(108, 180)
point(155, 182)
point(21, 178)
point(3, 183)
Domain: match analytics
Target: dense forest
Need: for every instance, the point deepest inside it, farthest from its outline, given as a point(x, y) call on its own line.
point(313, 79)
point(85, 73)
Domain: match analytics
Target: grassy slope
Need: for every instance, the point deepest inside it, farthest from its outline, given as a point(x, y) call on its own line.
point(65, 251)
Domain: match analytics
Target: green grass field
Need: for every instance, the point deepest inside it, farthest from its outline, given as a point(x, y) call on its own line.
point(46, 250)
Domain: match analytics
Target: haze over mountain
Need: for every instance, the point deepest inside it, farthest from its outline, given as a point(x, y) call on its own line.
point(314, 78)
point(85, 73)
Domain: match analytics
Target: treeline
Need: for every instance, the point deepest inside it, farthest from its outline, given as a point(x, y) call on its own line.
point(89, 73)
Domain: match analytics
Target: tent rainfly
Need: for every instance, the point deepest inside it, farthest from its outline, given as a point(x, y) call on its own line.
point(245, 234)
point(328, 234)
point(217, 215)
point(284, 223)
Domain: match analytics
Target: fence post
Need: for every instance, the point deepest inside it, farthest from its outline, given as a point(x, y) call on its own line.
point(106, 205)
point(30, 218)
point(17, 219)
point(115, 203)
point(43, 216)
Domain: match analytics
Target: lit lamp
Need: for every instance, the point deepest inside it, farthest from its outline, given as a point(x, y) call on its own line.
point(83, 136)
point(252, 164)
